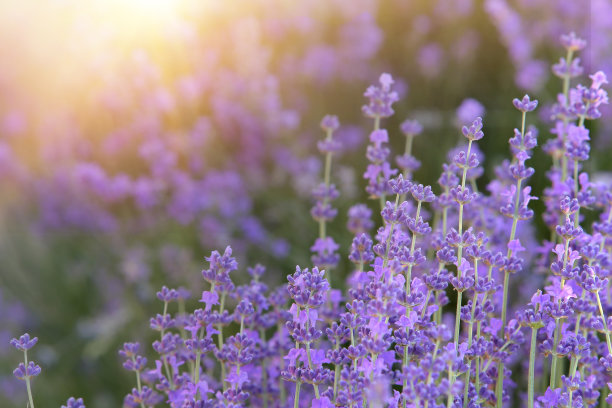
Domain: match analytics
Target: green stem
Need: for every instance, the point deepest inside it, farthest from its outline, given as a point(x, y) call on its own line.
point(566, 77)
point(555, 358)
point(196, 367)
point(29, 388)
point(457, 317)
point(220, 339)
point(572, 372)
point(336, 380)
point(281, 382)
point(167, 370)
point(412, 246)
point(451, 381)
point(407, 152)
point(310, 366)
point(296, 399)
point(531, 380)
point(477, 375)
point(566, 86)
point(316, 387)
point(460, 252)
point(499, 387)
point(557, 336)
point(404, 365)
point(605, 324)
point(138, 384)
point(577, 219)
point(573, 366)
point(408, 283)
point(382, 196)
point(425, 304)
point(470, 337)
point(444, 218)
point(389, 236)
point(326, 180)
point(515, 218)
point(27, 379)
point(164, 359)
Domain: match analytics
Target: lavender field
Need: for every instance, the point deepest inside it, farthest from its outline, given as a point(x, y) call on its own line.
point(322, 203)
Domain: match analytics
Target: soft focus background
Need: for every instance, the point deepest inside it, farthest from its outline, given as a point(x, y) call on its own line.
point(138, 135)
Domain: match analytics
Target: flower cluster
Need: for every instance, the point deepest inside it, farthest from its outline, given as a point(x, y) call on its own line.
point(427, 319)
point(200, 128)
point(324, 249)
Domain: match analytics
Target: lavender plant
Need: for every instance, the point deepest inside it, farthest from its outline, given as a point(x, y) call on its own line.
point(428, 318)
point(133, 173)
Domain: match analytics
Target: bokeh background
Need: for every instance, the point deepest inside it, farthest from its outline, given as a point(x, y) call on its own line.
point(138, 135)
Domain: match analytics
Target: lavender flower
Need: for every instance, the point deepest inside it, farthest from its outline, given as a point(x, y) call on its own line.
point(26, 373)
point(325, 248)
point(24, 342)
point(359, 219)
point(74, 403)
point(525, 104)
point(28, 369)
point(380, 98)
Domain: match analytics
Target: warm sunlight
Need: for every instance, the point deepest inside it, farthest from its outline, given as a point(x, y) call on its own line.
point(150, 7)
point(83, 44)
point(135, 20)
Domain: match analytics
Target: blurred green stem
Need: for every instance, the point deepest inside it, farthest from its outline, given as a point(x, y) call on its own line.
point(27, 379)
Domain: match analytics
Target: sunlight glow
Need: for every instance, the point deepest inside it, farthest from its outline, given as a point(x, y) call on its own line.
point(153, 8)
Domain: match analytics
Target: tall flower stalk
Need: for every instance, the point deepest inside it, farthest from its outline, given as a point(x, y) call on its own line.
point(522, 143)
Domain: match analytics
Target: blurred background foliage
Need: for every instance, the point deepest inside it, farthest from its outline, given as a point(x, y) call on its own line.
point(136, 136)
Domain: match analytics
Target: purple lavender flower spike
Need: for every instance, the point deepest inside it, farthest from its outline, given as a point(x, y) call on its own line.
point(22, 372)
point(329, 146)
point(474, 131)
point(167, 295)
point(145, 397)
point(129, 350)
point(220, 267)
point(525, 104)
point(138, 363)
point(572, 42)
point(563, 70)
point(74, 403)
point(24, 343)
point(411, 127)
point(380, 98)
point(330, 123)
point(324, 252)
point(361, 249)
point(599, 78)
point(359, 219)
point(422, 193)
point(400, 186)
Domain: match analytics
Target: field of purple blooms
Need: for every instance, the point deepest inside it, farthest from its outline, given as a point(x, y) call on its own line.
point(476, 278)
